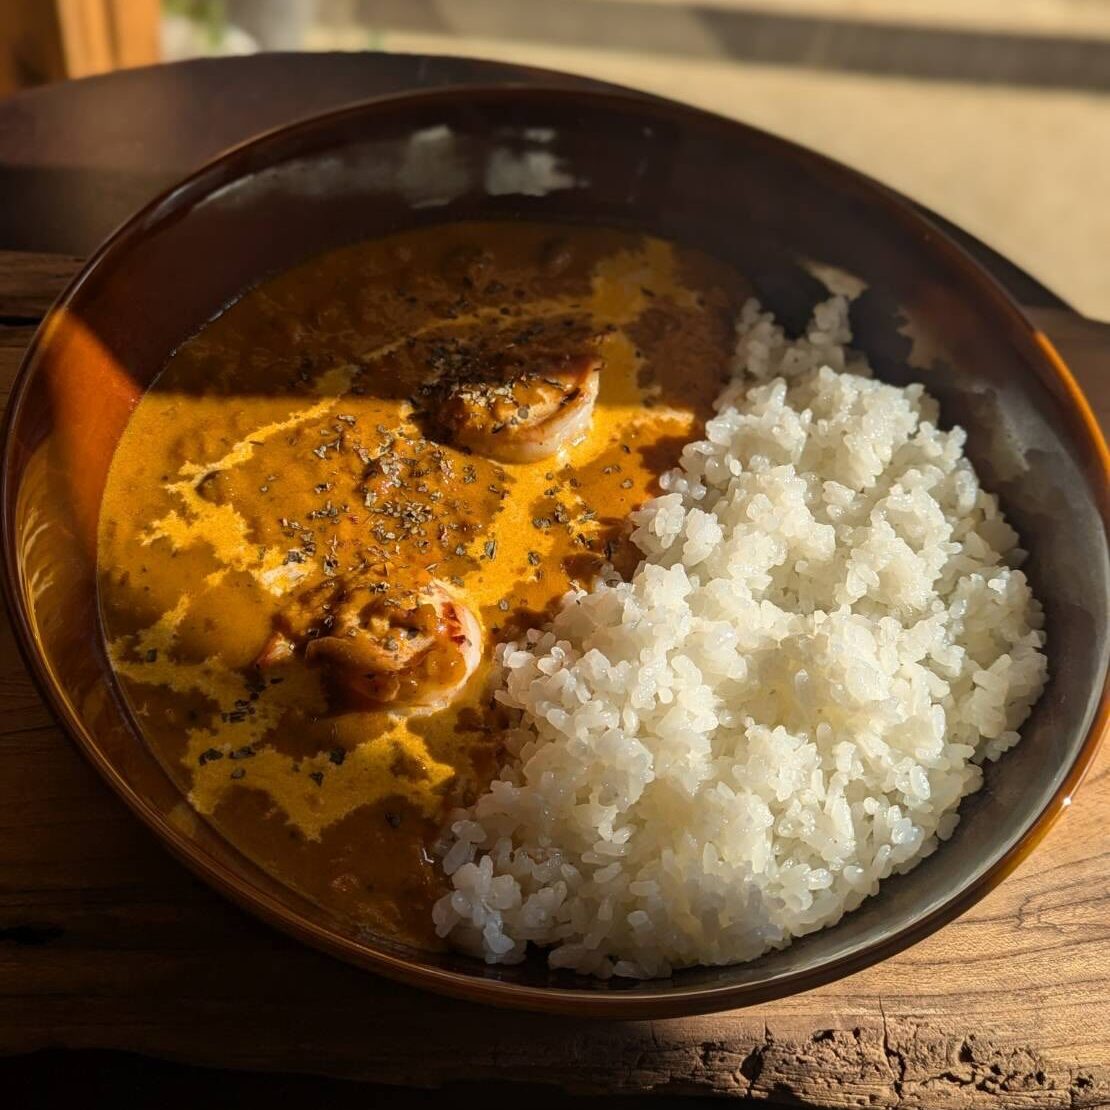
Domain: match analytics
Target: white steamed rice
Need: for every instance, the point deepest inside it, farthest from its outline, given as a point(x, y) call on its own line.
point(785, 705)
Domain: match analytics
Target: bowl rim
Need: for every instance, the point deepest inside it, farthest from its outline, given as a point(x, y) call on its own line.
point(644, 1002)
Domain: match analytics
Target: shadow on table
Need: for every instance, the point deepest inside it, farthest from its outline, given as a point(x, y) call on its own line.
point(57, 1077)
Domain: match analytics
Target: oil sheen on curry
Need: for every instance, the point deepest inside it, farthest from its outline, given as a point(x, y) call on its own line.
point(341, 494)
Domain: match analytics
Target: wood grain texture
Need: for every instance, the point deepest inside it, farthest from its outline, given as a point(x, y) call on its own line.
point(106, 942)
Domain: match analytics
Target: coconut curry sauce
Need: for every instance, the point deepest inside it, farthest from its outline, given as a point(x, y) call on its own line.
point(342, 493)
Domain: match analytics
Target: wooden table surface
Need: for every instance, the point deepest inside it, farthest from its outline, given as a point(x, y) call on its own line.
point(107, 942)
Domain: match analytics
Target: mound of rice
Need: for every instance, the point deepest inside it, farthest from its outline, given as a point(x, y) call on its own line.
point(785, 705)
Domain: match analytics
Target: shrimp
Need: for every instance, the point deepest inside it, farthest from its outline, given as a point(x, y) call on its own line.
point(528, 418)
point(514, 392)
point(382, 652)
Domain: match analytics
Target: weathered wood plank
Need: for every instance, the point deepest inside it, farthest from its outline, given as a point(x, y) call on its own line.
point(13, 342)
point(106, 942)
point(29, 282)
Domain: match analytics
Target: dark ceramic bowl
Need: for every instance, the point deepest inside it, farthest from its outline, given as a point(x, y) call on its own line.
point(929, 313)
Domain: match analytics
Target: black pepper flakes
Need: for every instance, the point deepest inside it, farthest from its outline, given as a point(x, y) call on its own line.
point(317, 777)
point(238, 773)
point(337, 756)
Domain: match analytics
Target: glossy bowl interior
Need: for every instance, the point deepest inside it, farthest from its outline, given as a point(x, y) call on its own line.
point(928, 313)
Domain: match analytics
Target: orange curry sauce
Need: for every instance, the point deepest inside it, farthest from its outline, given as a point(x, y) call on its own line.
point(294, 452)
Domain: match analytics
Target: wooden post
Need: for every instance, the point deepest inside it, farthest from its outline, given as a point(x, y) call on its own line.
point(135, 28)
point(30, 44)
point(50, 40)
point(86, 36)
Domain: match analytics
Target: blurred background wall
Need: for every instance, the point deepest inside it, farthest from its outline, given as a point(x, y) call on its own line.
point(996, 113)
